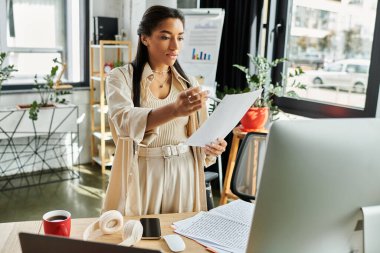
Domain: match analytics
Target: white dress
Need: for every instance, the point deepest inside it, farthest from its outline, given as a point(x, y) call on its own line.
point(149, 185)
point(167, 184)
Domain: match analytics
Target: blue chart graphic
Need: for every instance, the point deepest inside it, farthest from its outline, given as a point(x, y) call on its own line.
point(200, 56)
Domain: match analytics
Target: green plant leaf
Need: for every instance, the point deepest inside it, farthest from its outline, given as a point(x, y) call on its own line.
point(53, 71)
point(260, 78)
point(6, 71)
point(46, 91)
point(242, 68)
point(33, 110)
point(292, 94)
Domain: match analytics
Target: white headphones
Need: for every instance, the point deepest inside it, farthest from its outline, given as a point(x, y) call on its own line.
point(111, 222)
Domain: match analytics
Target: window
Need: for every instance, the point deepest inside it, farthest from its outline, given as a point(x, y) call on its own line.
point(334, 67)
point(34, 32)
point(337, 44)
point(362, 69)
point(359, 2)
point(187, 3)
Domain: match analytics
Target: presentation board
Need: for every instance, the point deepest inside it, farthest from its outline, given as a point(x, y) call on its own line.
point(203, 32)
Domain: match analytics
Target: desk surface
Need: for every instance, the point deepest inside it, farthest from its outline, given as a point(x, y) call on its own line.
point(9, 241)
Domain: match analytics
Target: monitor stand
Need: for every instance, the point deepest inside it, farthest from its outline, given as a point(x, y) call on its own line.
point(371, 229)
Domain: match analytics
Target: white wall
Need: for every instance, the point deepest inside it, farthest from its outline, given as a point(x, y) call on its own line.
point(169, 3)
point(133, 11)
point(129, 13)
point(106, 8)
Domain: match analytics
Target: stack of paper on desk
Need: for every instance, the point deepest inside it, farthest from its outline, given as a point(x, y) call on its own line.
point(224, 229)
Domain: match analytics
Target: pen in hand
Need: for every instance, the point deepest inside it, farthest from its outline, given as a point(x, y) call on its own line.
point(214, 98)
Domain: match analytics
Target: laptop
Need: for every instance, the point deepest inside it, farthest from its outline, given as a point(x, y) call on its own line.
point(31, 243)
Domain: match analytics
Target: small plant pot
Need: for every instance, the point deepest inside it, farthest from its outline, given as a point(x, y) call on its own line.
point(27, 106)
point(254, 119)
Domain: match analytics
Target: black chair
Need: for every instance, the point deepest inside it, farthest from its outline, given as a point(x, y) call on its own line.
point(248, 165)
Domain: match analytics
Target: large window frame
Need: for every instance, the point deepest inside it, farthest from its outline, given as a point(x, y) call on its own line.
point(84, 45)
point(275, 48)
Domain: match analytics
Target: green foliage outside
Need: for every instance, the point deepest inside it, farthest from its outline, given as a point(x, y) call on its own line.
point(5, 71)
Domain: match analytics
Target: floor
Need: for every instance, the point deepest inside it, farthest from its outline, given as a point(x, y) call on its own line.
point(82, 197)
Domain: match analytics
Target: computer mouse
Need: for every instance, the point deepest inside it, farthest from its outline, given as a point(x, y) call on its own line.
point(174, 242)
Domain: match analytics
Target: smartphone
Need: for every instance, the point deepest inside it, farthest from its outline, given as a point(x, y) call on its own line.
point(151, 228)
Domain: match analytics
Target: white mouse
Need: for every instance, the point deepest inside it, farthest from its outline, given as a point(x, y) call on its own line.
point(174, 242)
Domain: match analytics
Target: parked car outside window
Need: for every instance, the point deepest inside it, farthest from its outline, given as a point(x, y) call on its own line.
point(349, 74)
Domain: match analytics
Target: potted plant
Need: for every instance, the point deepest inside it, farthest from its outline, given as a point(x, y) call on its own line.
point(258, 114)
point(5, 71)
point(48, 93)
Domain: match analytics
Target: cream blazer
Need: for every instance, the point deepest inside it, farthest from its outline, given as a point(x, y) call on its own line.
point(128, 124)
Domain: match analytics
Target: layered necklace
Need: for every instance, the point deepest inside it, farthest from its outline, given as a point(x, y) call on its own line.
point(161, 73)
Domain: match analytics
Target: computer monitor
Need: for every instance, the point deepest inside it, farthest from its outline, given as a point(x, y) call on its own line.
point(316, 176)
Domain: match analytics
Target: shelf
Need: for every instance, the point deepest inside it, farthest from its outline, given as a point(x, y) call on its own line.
point(107, 136)
point(96, 78)
point(111, 46)
point(97, 108)
point(99, 161)
point(97, 92)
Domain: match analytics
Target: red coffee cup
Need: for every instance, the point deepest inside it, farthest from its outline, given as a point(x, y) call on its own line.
point(57, 222)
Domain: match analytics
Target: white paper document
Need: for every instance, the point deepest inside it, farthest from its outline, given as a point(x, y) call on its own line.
point(225, 117)
point(224, 229)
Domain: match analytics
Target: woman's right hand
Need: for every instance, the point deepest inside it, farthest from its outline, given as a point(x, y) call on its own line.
point(189, 101)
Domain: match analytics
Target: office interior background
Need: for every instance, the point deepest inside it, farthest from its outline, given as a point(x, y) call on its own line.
point(337, 43)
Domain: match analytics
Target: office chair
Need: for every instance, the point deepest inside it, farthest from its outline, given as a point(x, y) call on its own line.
point(210, 176)
point(248, 166)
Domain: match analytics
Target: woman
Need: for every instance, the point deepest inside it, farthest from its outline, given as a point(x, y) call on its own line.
point(153, 108)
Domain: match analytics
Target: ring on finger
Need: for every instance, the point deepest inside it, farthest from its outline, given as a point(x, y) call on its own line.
point(188, 99)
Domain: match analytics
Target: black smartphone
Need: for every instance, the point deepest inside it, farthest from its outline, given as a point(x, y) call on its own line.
point(151, 228)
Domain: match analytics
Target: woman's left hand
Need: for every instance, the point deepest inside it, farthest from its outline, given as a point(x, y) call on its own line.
point(216, 148)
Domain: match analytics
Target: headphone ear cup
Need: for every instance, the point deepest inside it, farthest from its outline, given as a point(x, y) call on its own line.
point(132, 232)
point(111, 222)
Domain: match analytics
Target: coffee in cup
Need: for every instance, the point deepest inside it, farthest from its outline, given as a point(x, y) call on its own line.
point(57, 222)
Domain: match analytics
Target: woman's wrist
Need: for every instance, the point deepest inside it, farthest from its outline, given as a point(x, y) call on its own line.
point(173, 110)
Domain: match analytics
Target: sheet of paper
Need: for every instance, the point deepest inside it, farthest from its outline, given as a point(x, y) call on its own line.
point(224, 228)
point(225, 117)
point(187, 222)
point(215, 228)
point(237, 210)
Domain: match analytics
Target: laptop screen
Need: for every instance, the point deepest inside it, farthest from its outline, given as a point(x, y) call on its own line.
point(31, 243)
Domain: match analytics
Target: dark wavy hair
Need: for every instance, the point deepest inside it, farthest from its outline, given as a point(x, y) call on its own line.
point(152, 17)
